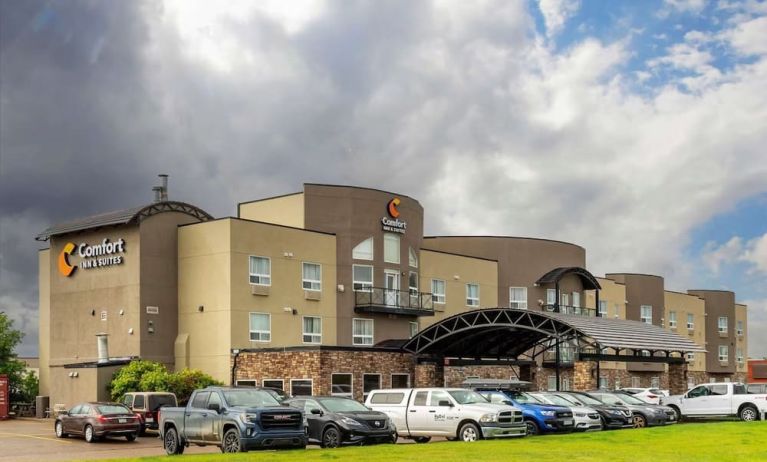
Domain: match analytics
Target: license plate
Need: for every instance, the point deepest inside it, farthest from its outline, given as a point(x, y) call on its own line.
point(122, 420)
point(568, 422)
point(150, 419)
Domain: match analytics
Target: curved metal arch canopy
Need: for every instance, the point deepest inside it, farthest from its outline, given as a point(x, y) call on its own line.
point(588, 280)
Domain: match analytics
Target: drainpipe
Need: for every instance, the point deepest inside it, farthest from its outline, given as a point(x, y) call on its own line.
point(236, 353)
point(557, 359)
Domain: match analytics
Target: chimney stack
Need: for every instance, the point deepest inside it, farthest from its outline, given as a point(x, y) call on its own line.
point(164, 191)
point(157, 193)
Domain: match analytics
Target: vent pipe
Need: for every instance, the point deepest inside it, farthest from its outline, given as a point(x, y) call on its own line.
point(157, 193)
point(103, 347)
point(164, 185)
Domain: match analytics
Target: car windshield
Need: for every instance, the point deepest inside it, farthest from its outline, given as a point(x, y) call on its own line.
point(467, 397)
point(249, 398)
point(113, 409)
point(554, 399)
point(342, 405)
point(628, 399)
point(525, 398)
point(585, 399)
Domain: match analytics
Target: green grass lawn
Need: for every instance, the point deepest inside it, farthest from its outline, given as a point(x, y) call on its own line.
point(698, 442)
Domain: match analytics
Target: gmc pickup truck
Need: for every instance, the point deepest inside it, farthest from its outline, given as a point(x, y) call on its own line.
point(454, 413)
point(718, 399)
point(234, 419)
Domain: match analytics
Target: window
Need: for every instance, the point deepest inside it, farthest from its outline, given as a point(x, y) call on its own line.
point(391, 248)
point(691, 356)
point(739, 355)
point(518, 297)
point(312, 332)
point(138, 403)
point(412, 258)
point(472, 294)
point(635, 382)
point(400, 380)
point(654, 382)
point(565, 384)
point(438, 290)
point(564, 300)
point(645, 314)
point(363, 278)
point(413, 285)
point(690, 321)
point(420, 398)
point(603, 308)
point(723, 353)
point(341, 385)
point(260, 271)
point(672, 319)
point(362, 331)
point(363, 250)
point(370, 382)
point(617, 383)
point(413, 329)
point(577, 299)
point(301, 387)
point(718, 390)
point(617, 310)
point(551, 296)
point(722, 325)
point(551, 383)
point(246, 383)
point(201, 400)
point(214, 399)
point(603, 383)
point(312, 276)
point(277, 384)
point(740, 329)
point(260, 327)
point(437, 396)
point(388, 398)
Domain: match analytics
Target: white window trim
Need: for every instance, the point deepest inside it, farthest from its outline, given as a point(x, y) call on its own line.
point(417, 328)
point(311, 381)
point(672, 320)
point(372, 336)
point(415, 255)
point(372, 249)
point(719, 328)
point(372, 279)
point(644, 318)
point(443, 295)
point(304, 333)
point(739, 355)
point(576, 300)
point(380, 383)
point(310, 281)
point(345, 395)
point(282, 381)
point(467, 295)
point(739, 328)
point(522, 304)
point(606, 305)
point(391, 378)
point(250, 331)
point(726, 356)
point(690, 325)
point(239, 382)
point(260, 275)
point(399, 244)
point(417, 281)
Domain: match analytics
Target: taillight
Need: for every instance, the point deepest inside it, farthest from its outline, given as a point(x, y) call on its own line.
point(652, 396)
point(102, 419)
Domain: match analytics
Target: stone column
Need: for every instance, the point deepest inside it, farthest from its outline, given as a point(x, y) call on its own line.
point(677, 378)
point(430, 374)
point(582, 379)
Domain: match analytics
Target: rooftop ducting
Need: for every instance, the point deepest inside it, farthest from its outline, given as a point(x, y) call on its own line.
point(161, 192)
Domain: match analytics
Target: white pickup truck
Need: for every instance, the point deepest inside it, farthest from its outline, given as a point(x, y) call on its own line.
point(718, 399)
point(454, 413)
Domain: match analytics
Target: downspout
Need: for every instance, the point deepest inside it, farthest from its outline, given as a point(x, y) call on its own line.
point(236, 353)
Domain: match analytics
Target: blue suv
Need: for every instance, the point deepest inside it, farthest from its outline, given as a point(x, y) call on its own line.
point(539, 417)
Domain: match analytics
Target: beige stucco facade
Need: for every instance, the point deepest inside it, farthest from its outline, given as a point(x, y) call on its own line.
point(44, 313)
point(741, 345)
point(614, 294)
point(684, 305)
point(285, 210)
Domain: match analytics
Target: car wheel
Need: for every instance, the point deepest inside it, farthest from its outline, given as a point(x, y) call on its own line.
point(394, 438)
point(469, 432)
point(60, 430)
point(532, 428)
point(231, 441)
point(172, 443)
point(639, 421)
point(677, 413)
point(142, 431)
point(422, 439)
point(748, 414)
point(90, 437)
point(130, 437)
point(331, 438)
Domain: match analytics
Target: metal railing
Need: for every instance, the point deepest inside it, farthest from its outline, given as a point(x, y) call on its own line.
point(383, 298)
point(574, 310)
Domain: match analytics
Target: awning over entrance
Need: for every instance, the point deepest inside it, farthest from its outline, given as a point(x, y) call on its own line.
point(587, 279)
point(509, 333)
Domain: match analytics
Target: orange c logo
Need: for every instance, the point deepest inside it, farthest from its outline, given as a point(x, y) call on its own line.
point(64, 267)
point(393, 207)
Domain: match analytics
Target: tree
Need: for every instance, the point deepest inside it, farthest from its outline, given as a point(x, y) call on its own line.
point(141, 375)
point(10, 338)
point(129, 377)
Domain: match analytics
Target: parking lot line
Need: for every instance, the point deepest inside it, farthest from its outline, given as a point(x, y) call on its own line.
point(20, 435)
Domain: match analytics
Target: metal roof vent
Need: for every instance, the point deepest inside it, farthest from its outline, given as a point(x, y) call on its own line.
point(161, 192)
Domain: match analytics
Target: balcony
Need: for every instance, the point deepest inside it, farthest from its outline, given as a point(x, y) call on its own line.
point(565, 358)
point(574, 310)
point(390, 301)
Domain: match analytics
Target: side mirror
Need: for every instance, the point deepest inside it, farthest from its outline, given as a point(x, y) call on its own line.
point(445, 403)
point(214, 407)
point(316, 411)
point(63, 412)
point(507, 402)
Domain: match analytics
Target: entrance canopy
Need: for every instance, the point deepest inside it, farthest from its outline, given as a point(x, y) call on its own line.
point(507, 333)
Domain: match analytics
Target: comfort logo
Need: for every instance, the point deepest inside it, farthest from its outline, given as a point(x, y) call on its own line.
point(64, 267)
point(392, 206)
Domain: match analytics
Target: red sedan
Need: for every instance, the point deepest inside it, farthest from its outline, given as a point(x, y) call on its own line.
point(97, 420)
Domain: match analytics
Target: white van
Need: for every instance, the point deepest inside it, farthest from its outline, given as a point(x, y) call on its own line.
point(454, 413)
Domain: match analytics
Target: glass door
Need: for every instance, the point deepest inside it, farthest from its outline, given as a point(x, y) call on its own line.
point(391, 287)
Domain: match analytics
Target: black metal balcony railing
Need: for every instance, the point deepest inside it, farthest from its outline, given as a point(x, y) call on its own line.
point(382, 300)
point(575, 310)
point(566, 356)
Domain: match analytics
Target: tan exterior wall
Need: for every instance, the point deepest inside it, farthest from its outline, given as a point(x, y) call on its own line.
point(76, 302)
point(741, 341)
point(684, 304)
point(89, 384)
point(614, 293)
point(284, 210)
point(457, 271)
point(44, 316)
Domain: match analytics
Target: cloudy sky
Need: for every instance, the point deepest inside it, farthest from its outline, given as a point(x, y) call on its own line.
point(636, 129)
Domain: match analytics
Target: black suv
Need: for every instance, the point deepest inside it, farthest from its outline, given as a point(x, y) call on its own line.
point(613, 417)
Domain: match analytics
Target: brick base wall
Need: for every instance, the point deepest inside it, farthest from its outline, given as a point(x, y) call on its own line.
point(455, 375)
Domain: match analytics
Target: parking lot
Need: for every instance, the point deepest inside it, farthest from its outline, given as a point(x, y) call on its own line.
point(34, 440)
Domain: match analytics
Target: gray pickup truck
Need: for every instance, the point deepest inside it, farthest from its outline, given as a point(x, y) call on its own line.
point(234, 419)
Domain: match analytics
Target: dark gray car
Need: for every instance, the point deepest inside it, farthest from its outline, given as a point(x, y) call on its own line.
point(644, 414)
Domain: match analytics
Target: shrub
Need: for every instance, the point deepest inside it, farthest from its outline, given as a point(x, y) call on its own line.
point(143, 375)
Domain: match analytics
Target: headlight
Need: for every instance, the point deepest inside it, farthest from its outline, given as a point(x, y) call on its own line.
point(614, 412)
point(248, 418)
point(349, 421)
point(548, 413)
point(489, 418)
point(580, 414)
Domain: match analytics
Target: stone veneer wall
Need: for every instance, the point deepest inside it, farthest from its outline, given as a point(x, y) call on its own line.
point(455, 375)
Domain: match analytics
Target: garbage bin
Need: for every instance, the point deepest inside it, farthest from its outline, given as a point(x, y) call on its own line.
point(41, 404)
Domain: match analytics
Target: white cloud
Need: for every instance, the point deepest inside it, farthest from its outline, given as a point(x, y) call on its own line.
point(686, 6)
point(556, 13)
point(749, 37)
point(753, 252)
